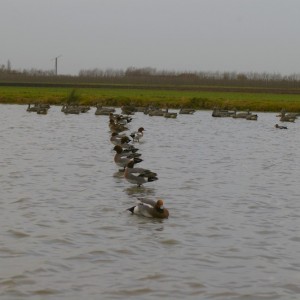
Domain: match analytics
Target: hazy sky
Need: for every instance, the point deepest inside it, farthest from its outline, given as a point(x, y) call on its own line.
point(174, 35)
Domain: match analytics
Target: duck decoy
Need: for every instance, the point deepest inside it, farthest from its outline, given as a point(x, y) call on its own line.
point(170, 115)
point(186, 111)
point(252, 117)
point(287, 118)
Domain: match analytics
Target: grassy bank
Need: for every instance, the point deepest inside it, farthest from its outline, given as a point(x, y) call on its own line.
point(162, 97)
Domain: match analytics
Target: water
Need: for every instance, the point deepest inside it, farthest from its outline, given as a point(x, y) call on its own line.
point(231, 186)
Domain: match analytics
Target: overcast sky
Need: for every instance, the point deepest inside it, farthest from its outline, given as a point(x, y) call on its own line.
point(174, 35)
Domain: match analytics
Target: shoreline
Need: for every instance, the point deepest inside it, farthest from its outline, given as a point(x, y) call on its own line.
point(200, 98)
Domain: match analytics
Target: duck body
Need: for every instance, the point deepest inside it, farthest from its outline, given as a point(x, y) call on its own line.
point(150, 209)
point(280, 127)
point(138, 176)
point(115, 127)
point(252, 117)
point(137, 135)
point(242, 115)
point(222, 113)
point(170, 115)
point(123, 158)
point(104, 111)
point(287, 117)
point(118, 139)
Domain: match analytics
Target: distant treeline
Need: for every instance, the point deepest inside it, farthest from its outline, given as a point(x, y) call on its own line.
point(151, 76)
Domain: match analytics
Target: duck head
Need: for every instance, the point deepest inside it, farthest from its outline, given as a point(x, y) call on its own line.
point(159, 207)
point(118, 149)
point(130, 165)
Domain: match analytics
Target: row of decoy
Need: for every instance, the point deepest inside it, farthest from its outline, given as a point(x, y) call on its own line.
point(39, 108)
point(287, 117)
point(126, 157)
point(42, 108)
point(150, 110)
point(283, 116)
point(147, 110)
point(222, 113)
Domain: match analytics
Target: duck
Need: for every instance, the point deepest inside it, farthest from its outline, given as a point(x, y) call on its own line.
point(124, 143)
point(171, 115)
point(144, 175)
point(252, 117)
point(128, 110)
point(241, 115)
point(156, 113)
point(42, 111)
point(137, 135)
point(32, 108)
point(117, 139)
point(114, 127)
point(280, 127)
point(150, 208)
point(122, 159)
point(105, 111)
point(120, 119)
point(287, 118)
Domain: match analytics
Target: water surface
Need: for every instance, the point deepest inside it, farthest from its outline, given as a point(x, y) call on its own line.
point(231, 186)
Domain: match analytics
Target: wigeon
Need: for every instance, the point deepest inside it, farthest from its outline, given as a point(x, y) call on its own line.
point(114, 127)
point(137, 135)
point(280, 127)
point(118, 139)
point(143, 175)
point(150, 208)
point(122, 159)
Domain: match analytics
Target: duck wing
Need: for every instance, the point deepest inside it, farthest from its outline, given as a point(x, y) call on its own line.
point(147, 201)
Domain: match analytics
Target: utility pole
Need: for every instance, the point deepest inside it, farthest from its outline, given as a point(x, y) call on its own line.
point(8, 66)
point(56, 62)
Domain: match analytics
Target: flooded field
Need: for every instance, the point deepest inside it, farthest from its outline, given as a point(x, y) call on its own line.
point(231, 187)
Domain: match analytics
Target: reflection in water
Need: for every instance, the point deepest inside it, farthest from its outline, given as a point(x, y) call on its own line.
point(139, 191)
point(231, 186)
point(118, 174)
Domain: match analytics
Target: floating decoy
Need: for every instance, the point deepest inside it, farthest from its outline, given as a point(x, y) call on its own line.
point(242, 115)
point(287, 118)
point(171, 115)
point(104, 111)
point(252, 117)
point(186, 111)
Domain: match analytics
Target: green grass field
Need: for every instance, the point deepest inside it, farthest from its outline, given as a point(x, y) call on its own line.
point(161, 97)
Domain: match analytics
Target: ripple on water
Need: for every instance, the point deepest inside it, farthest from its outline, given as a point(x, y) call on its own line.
point(231, 188)
point(18, 233)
